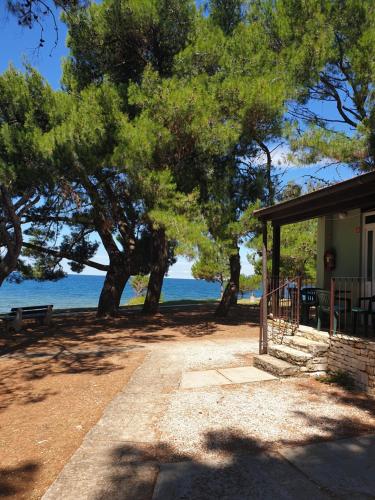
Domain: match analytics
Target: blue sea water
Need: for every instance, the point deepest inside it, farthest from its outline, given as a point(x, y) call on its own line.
point(84, 291)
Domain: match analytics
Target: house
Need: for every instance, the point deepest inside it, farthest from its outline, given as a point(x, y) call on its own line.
point(329, 324)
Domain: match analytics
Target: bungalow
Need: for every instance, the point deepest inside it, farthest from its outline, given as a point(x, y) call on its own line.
point(329, 324)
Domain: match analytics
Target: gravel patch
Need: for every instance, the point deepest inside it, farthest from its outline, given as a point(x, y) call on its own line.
point(213, 422)
point(194, 356)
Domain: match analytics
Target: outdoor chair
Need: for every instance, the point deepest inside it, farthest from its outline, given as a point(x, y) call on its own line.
point(366, 312)
point(324, 309)
point(308, 300)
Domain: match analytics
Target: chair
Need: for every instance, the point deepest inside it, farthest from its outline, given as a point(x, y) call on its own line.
point(366, 312)
point(308, 300)
point(324, 309)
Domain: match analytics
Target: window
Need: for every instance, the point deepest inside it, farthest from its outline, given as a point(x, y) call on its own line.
point(370, 219)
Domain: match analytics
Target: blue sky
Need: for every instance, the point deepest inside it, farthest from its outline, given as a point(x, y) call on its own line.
point(20, 44)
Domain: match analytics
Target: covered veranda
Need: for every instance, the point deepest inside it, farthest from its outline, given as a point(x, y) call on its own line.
point(342, 287)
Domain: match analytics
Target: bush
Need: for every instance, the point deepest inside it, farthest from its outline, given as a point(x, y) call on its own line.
point(139, 283)
point(341, 378)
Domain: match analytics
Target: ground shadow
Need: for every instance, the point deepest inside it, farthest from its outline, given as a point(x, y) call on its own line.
point(195, 321)
point(242, 468)
point(15, 481)
point(85, 344)
point(354, 398)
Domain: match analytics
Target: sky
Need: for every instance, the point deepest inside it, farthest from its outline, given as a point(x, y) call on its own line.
point(21, 44)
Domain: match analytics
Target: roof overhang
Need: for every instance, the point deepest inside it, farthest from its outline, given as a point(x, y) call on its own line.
point(358, 192)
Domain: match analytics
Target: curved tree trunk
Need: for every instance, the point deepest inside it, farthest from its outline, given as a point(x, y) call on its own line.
point(159, 267)
point(114, 284)
point(230, 294)
point(11, 240)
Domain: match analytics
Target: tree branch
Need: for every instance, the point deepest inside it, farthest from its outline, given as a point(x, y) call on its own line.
point(65, 255)
point(333, 91)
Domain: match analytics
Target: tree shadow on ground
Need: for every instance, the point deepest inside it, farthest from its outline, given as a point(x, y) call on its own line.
point(85, 344)
point(241, 468)
point(85, 328)
point(16, 383)
point(354, 398)
point(15, 481)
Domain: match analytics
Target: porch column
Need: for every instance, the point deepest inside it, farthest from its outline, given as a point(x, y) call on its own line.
point(275, 254)
point(275, 276)
point(264, 334)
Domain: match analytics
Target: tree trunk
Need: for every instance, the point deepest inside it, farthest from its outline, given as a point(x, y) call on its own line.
point(230, 295)
point(221, 288)
point(159, 266)
point(114, 284)
point(10, 239)
point(268, 176)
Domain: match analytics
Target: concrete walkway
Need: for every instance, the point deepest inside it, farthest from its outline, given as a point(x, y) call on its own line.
point(131, 454)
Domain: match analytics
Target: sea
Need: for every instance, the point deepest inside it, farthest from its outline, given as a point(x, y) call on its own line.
point(75, 291)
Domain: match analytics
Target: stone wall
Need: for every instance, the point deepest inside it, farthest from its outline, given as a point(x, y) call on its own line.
point(355, 356)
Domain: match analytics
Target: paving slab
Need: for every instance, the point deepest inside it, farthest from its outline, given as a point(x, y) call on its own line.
point(261, 476)
point(122, 471)
point(202, 378)
point(345, 467)
point(244, 374)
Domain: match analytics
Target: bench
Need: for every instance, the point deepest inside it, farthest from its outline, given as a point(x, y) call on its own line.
point(14, 319)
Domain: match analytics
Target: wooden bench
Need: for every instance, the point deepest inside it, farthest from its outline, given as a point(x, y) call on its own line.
point(15, 319)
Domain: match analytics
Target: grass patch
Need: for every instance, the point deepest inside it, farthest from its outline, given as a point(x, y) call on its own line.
point(188, 302)
point(254, 302)
point(136, 301)
point(343, 379)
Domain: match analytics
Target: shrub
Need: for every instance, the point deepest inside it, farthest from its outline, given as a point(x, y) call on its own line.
point(341, 378)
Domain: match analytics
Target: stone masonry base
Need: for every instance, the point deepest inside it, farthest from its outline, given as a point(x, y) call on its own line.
point(355, 356)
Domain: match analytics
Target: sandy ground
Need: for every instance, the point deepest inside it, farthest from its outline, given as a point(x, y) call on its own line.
point(56, 384)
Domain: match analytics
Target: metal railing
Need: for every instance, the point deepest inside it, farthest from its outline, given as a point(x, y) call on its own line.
point(348, 306)
point(279, 310)
point(352, 306)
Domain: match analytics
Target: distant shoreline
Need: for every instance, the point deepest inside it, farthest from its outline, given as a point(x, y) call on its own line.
point(102, 275)
point(82, 292)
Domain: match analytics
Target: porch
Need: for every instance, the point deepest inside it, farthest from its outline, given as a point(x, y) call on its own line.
point(337, 309)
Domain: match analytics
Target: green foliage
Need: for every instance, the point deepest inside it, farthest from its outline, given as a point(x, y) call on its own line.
point(169, 122)
point(340, 378)
point(227, 14)
point(139, 284)
point(28, 111)
point(298, 252)
point(249, 283)
point(213, 264)
point(328, 50)
point(119, 38)
point(138, 300)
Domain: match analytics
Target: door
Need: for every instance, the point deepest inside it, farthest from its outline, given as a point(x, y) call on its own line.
point(369, 253)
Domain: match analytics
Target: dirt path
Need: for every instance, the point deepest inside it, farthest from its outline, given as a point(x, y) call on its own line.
point(55, 388)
